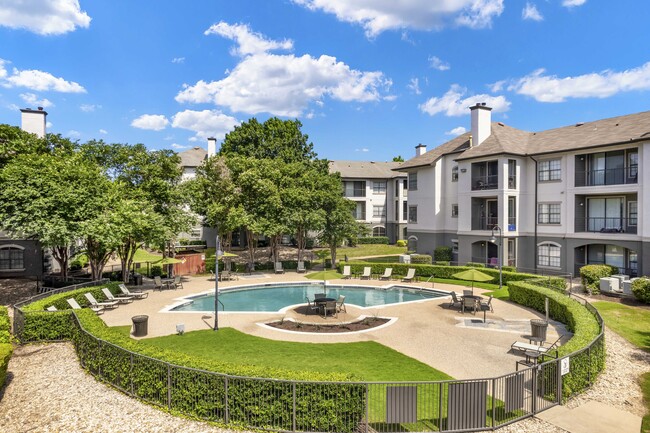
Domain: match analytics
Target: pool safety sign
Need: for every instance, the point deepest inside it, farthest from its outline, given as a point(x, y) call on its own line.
point(565, 366)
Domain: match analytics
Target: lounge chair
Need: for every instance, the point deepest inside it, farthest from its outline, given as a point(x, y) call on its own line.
point(311, 306)
point(410, 276)
point(301, 267)
point(340, 304)
point(75, 306)
point(105, 304)
point(469, 303)
point(278, 268)
point(540, 349)
point(366, 273)
point(330, 306)
point(454, 300)
point(388, 272)
point(212, 276)
point(178, 282)
point(134, 294)
point(51, 308)
point(347, 273)
point(120, 299)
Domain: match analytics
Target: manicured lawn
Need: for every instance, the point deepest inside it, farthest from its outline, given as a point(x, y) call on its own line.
point(368, 361)
point(324, 275)
point(384, 259)
point(369, 250)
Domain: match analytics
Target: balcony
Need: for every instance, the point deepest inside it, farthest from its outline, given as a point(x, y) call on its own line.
point(607, 176)
point(606, 225)
point(484, 223)
point(485, 182)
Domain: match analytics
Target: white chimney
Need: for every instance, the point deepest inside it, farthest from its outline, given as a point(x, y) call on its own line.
point(420, 149)
point(212, 146)
point(33, 121)
point(481, 123)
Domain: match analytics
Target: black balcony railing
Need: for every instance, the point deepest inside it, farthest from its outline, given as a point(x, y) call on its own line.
point(606, 225)
point(485, 182)
point(484, 223)
point(607, 176)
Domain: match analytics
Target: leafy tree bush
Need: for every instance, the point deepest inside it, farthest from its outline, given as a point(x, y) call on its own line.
point(475, 265)
point(6, 348)
point(372, 240)
point(641, 289)
point(421, 259)
point(401, 243)
point(591, 275)
point(443, 254)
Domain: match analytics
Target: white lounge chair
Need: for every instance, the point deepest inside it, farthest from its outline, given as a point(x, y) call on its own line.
point(75, 306)
point(301, 267)
point(410, 276)
point(94, 302)
point(366, 273)
point(534, 348)
point(347, 273)
point(340, 304)
point(278, 268)
point(134, 294)
point(51, 308)
point(388, 272)
point(119, 299)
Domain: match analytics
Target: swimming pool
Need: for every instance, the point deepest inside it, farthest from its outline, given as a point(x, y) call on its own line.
point(274, 297)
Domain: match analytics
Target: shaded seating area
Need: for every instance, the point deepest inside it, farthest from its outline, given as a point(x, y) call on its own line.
point(160, 284)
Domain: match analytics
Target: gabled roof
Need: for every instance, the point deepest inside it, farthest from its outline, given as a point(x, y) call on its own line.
point(457, 144)
point(193, 157)
point(365, 169)
point(503, 139)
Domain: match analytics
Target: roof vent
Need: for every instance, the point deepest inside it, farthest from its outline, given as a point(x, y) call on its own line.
point(500, 124)
point(580, 123)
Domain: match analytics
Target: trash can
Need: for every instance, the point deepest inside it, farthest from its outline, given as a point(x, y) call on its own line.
point(538, 330)
point(137, 279)
point(140, 325)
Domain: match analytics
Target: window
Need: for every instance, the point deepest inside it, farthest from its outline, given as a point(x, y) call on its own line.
point(359, 211)
point(11, 258)
point(548, 213)
point(454, 174)
point(405, 187)
point(396, 210)
point(379, 211)
point(413, 181)
point(454, 210)
point(633, 163)
point(454, 247)
point(405, 211)
point(549, 170)
point(397, 188)
point(379, 187)
point(378, 231)
point(605, 214)
point(413, 214)
point(512, 174)
point(548, 254)
point(355, 189)
point(632, 213)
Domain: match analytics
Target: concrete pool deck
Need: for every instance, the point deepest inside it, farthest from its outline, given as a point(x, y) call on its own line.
point(460, 345)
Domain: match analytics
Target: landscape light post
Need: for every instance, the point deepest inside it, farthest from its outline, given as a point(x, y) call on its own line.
point(217, 254)
point(493, 239)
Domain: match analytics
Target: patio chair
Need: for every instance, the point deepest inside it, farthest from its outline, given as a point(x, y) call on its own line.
point(454, 300)
point(347, 273)
point(178, 282)
point(319, 296)
point(388, 272)
point(311, 306)
point(105, 304)
point(301, 267)
point(51, 308)
point(366, 273)
point(469, 303)
point(278, 268)
point(75, 306)
point(329, 306)
point(119, 299)
point(541, 349)
point(467, 292)
point(159, 284)
point(134, 294)
point(410, 276)
point(487, 305)
point(340, 304)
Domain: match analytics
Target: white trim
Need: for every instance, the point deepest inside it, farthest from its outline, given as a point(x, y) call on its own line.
point(549, 243)
point(7, 246)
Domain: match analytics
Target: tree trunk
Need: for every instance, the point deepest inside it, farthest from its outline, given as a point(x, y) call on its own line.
point(333, 254)
point(252, 244)
point(301, 239)
point(62, 256)
point(97, 257)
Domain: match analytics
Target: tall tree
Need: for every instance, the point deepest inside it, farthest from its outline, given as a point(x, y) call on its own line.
point(15, 142)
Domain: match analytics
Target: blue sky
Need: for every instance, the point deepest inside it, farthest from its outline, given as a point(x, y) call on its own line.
point(369, 79)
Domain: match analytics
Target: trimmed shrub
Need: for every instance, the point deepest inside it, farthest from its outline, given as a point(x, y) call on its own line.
point(475, 265)
point(372, 240)
point(401, 243)
point(421, 259)
point(443, 254)
point(641, 289)
point(157, 271)
point(196, 242)
point(509, 268)
point(442, 263)
point(6, 348)
point(591, 275)
point(578, 319)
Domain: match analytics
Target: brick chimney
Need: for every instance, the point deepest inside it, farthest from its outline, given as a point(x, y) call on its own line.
point(420, 149)
point(481, 123)
point(212, 146)
point(33, 121)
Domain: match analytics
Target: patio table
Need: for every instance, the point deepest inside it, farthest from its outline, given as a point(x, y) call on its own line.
point(321, 302)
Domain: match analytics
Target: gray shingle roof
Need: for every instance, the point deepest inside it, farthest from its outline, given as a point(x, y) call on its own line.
point(193, 157)
point(455, 145)
point(365, 169)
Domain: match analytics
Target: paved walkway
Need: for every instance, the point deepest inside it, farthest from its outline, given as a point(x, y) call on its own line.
point(592, 417)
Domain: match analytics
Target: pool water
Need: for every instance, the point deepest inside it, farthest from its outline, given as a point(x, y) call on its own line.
point(274, 297)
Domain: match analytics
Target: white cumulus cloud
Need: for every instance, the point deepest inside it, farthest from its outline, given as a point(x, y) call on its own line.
point(453, 103)
point(248, 42)
point(550, 88)
point(573, 3)
point(414, 86)
point(530, 12)
point(178, 60)
point(206, 123)
point(457, 131)
point(103, 131)
point(377, 16)
point(51, 17)
point(89, 108)
point(438, 64)
point(36, 80)
point(179, 146)
point(283, 85)
point(32, 100)
point(156, 122)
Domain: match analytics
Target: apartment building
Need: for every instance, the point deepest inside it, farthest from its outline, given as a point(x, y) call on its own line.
point(555, 200)
point(379, 194)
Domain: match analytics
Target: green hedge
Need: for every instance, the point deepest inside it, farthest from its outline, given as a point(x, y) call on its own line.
point(373, 240)
point(591, 275)
point(443, 254)
point(6, 348)
point(585, 366)
point(198, 393)
point(266, 266)
point(641, 289)
point(421, 259)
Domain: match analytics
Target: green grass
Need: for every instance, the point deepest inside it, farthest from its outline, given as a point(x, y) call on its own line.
point(324, 275)
point(383, 259)
point(368, 361)
point(369, 250)
point(633, 324)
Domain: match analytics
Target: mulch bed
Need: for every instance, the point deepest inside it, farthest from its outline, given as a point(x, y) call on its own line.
point(367, 323)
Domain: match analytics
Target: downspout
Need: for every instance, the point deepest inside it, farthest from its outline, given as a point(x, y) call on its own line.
point(535, 213)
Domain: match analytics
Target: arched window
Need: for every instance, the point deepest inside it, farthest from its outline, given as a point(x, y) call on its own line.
point(11, 258)
point(549, 254)
point(378, 231)
point(412, 243)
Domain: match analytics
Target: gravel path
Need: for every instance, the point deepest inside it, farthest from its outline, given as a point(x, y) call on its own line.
point(49, 392)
